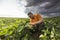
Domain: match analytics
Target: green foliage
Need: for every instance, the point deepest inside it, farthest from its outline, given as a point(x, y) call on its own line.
point(15, 29)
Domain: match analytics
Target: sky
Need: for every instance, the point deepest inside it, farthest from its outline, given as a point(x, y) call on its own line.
point(12, 8)
point(20, 8)
point(47, 8)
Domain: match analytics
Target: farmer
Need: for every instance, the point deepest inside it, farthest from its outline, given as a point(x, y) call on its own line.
point(37, 23)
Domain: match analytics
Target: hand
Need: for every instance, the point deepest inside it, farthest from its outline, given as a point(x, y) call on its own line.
point(32, 23)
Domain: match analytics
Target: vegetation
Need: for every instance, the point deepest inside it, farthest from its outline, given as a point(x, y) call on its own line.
point(14, 28)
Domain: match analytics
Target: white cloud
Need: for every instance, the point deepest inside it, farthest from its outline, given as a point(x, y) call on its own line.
point(10, 8)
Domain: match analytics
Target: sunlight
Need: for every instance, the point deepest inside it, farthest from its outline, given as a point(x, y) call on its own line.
point(11, 8)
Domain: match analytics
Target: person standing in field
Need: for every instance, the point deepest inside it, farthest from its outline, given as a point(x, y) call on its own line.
point(37, 23)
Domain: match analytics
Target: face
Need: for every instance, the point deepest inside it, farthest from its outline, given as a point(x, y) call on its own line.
point(31, 16)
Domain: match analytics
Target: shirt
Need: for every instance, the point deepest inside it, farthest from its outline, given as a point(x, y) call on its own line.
point(37, 17)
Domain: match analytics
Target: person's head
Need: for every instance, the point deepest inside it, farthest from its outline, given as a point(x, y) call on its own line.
point(30, 15)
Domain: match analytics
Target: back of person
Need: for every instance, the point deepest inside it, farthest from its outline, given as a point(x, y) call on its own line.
point(36, 18)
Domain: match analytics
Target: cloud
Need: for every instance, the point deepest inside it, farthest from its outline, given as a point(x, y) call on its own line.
point(32, 2)
point(10, 8)
point(44, 7)
point(37, 2)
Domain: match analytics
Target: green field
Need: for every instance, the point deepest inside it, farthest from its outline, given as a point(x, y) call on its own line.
point(11, 29)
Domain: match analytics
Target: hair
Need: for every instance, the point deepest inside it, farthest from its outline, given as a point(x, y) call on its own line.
point(29, 13)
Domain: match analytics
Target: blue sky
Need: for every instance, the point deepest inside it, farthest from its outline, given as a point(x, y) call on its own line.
point(12, 8)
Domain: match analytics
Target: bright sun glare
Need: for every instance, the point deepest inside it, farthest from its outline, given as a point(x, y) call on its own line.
point(12, 8)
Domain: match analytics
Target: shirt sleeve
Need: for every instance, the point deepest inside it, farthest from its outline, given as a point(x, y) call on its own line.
point(30, 20)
